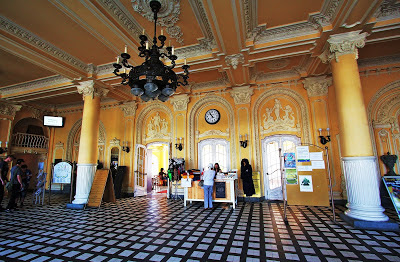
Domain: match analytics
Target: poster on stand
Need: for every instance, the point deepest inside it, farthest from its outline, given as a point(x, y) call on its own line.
point(392, 184)
point(291, 176)
point(306, 183)
point(290, 160)
point(303, 154)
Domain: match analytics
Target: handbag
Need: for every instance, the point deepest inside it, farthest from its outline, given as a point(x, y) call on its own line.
point(201, 183)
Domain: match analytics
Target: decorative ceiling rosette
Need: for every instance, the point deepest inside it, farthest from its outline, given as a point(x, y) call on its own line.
point(167, 16)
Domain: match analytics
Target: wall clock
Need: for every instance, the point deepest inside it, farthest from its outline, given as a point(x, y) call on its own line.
point(212, 116)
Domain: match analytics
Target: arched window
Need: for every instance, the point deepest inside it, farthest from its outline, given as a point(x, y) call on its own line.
point(214, 151)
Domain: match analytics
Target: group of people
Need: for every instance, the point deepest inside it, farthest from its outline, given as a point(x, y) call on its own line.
point(18, 184)
point(246, 174)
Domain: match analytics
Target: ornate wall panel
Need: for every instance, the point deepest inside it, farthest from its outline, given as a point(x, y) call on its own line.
point(286, 121)
point(193, 123)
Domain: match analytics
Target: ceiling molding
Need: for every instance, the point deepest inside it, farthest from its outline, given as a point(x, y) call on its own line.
point(379, 61)
point(34, 40)
point(36, 84)
point(202, 19)
point(389, 9)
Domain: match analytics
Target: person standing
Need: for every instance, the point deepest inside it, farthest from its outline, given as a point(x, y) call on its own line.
point(208, 178)
point(16, 180)
point(217, 169)
point(162, 177)
point(3, 176)
point(26, 178)
point(246, 174)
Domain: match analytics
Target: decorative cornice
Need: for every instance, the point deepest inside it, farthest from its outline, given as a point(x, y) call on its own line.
point(223, 81)
point(242, 94)
point(342, 44)
point(379, 61)
point(126, 20)
point(9, 109)
point(317, 86)
point(201, 16)
point(234, 60)
point(87, 88)
point(277, 76)
point(284, 32)
point(28, 37)
point(278, 64)
point(115, 142)
point(180, 102)
point(105, 69)
point(129, 108)
point(36, 84)
point(328, 12)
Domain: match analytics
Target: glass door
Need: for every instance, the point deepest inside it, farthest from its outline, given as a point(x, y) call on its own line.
point(140, 171)
point(271, 163)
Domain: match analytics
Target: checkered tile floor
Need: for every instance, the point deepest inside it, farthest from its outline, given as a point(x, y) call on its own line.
point(157, 229)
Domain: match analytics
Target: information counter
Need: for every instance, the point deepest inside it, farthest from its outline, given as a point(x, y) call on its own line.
point(225, 190)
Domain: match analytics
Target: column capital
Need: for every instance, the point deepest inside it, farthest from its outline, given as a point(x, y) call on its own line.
point(180, 102)
point(242, 94)
point(317, 86)
point(9, 109)
point(87, 88)
point(342, 44)
point(129, 108)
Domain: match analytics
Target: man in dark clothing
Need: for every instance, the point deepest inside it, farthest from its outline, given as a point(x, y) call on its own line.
point(16, 180)
point(3, 176)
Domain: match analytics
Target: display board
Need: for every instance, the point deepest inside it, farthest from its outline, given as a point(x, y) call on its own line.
point(62, 173)
point(306, 178)
point(392, 184)
point(102, 188)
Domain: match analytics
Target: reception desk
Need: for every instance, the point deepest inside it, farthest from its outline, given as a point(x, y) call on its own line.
point(225, 190)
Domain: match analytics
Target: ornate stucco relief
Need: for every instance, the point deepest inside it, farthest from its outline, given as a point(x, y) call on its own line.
point(167, 17)
point(234, 60)
point(180, 102)
point(9, 109)
point(342, 44)
point(302, 115)
point(242, 94)
point(277, 123)
point(157, 128)
point(223, 81)
point(36, 84)
point(129, 108)
point(37, 42)
point(317, 86)
point(389, 9)
point(115, 142)
point(212, 133)
point(141, 131)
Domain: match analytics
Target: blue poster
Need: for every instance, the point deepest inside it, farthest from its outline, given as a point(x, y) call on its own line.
point(392, 184)
point(289, 160)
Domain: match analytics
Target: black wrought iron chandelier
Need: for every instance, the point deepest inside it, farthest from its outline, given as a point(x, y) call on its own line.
point(152, 79)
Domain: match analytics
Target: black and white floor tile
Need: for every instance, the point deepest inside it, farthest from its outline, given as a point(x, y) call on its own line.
point(158, 229)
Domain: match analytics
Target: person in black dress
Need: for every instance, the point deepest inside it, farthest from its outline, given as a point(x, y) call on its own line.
point(246, 174)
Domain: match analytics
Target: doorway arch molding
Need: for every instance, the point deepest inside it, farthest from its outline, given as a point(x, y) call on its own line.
point(74, 131)
point(197, 107)
point(298, 101)
point(144, 114)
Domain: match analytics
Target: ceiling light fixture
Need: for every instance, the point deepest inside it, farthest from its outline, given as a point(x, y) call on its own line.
point(152, 79)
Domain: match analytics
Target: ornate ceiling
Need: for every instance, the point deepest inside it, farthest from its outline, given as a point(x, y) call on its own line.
point(48, 47)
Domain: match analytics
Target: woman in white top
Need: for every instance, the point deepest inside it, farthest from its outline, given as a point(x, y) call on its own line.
point(208, 178)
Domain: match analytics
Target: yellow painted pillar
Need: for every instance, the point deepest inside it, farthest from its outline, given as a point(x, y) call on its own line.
point(358, 160)
point(87, 159)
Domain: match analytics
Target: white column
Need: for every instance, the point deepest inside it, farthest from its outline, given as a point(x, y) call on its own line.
point(362, 182)
point(85, 176)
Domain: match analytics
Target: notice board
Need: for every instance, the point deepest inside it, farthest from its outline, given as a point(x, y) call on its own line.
point(307, 180)
point(102, 188)
point(220, 190)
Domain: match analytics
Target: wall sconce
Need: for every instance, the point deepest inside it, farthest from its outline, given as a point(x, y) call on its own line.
point(3, 150)
point(243, 143)
point(179, 145)
point(324, 139)
point(125, 147)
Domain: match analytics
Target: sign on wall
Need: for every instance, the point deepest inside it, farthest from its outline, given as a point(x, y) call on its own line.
point(392, 184)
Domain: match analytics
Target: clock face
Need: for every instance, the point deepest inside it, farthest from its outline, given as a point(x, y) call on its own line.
point(212, 116)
